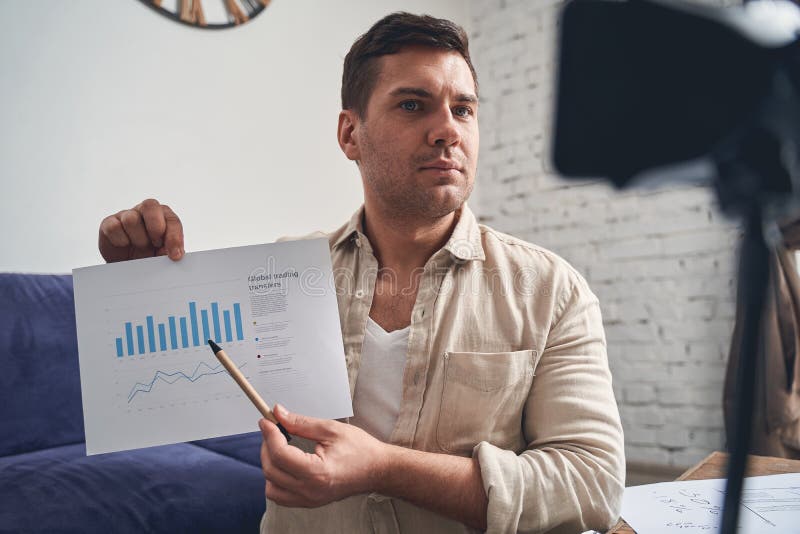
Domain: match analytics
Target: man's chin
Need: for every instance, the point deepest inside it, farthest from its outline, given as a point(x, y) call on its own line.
point(444, 200)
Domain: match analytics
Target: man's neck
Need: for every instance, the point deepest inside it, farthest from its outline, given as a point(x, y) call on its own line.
point(405, 244)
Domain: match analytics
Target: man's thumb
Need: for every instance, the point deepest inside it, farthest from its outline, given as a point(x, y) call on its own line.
point(302, 425)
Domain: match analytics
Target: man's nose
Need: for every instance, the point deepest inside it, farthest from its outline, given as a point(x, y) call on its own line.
point(444, 130)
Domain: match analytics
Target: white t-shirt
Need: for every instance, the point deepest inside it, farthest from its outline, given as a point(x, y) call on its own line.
point(379, 387)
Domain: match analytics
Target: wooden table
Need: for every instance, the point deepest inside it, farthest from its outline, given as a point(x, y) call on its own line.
point(713, 466)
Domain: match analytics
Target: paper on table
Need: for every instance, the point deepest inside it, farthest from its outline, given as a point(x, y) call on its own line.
point(770, 505)
point(148, 377)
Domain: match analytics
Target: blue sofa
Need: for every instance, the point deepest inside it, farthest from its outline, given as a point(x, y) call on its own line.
point(48, 484)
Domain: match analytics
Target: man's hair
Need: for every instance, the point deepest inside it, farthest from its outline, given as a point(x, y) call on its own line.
point(388, 36)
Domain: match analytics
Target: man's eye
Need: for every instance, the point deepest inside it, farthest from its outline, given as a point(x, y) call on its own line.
point(410, 105)
point(463, 111)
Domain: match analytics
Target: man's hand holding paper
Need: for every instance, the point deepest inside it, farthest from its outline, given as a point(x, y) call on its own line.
point(148, 229)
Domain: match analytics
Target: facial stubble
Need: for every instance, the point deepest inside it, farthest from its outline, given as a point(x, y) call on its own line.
point(392, 181)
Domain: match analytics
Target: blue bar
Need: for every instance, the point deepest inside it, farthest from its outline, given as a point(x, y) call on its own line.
point(184, 334)
point(215, 321)
point(151, 335)
point(204, 316)
point(226, 317)
point(237, 317)
point(119, 347)
point(173, 336)
point(193, 319)
point(162, 336)
point(129, 337)
point(140, 338)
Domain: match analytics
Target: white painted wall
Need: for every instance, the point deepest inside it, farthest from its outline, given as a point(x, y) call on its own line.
point(103, 104)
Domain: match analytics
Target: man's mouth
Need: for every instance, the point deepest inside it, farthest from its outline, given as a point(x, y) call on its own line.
point(442, 165)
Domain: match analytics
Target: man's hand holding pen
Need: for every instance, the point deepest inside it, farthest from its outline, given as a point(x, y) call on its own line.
point(346, 461)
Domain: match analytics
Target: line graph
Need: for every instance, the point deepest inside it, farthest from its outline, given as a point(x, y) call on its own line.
point(171, 378)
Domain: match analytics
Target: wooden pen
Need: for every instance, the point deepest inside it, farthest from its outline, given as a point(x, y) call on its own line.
point(247, 387)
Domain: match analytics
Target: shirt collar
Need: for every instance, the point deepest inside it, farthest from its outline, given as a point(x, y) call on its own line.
point(464, 243)
point(353, 228)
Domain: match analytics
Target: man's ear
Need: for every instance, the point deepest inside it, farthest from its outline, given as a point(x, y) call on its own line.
point(348, 138)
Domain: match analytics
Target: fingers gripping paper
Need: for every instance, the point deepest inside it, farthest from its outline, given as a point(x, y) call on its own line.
point(147, 374)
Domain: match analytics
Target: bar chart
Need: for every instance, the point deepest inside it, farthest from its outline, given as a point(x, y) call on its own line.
point(174, 332)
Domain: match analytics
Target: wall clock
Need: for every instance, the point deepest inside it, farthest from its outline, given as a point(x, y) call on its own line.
point(209, 14)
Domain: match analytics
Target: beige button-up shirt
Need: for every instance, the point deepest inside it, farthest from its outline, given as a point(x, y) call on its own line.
point(506, 361)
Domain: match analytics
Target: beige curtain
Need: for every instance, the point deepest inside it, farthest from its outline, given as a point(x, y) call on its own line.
point(776, 419)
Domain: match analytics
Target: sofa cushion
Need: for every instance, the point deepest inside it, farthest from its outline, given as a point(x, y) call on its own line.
point(243, 447)
point(40, 403)
point(173, 488)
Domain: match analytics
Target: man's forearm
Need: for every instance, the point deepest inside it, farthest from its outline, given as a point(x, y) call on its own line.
point(348, 461)
point(449, 485)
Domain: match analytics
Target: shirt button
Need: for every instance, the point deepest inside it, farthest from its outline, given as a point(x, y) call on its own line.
point(359, 294)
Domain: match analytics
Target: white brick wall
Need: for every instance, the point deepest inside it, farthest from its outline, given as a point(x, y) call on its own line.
point(661, 262)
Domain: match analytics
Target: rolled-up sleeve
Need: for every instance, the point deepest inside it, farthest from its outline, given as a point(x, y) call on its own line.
point(572, 474)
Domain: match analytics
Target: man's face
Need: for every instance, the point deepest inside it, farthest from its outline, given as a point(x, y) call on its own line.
point(417, 146)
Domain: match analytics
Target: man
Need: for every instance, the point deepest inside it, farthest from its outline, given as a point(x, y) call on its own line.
point(482, 394)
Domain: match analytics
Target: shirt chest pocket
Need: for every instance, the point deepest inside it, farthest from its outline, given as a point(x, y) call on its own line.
point(483, 397)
